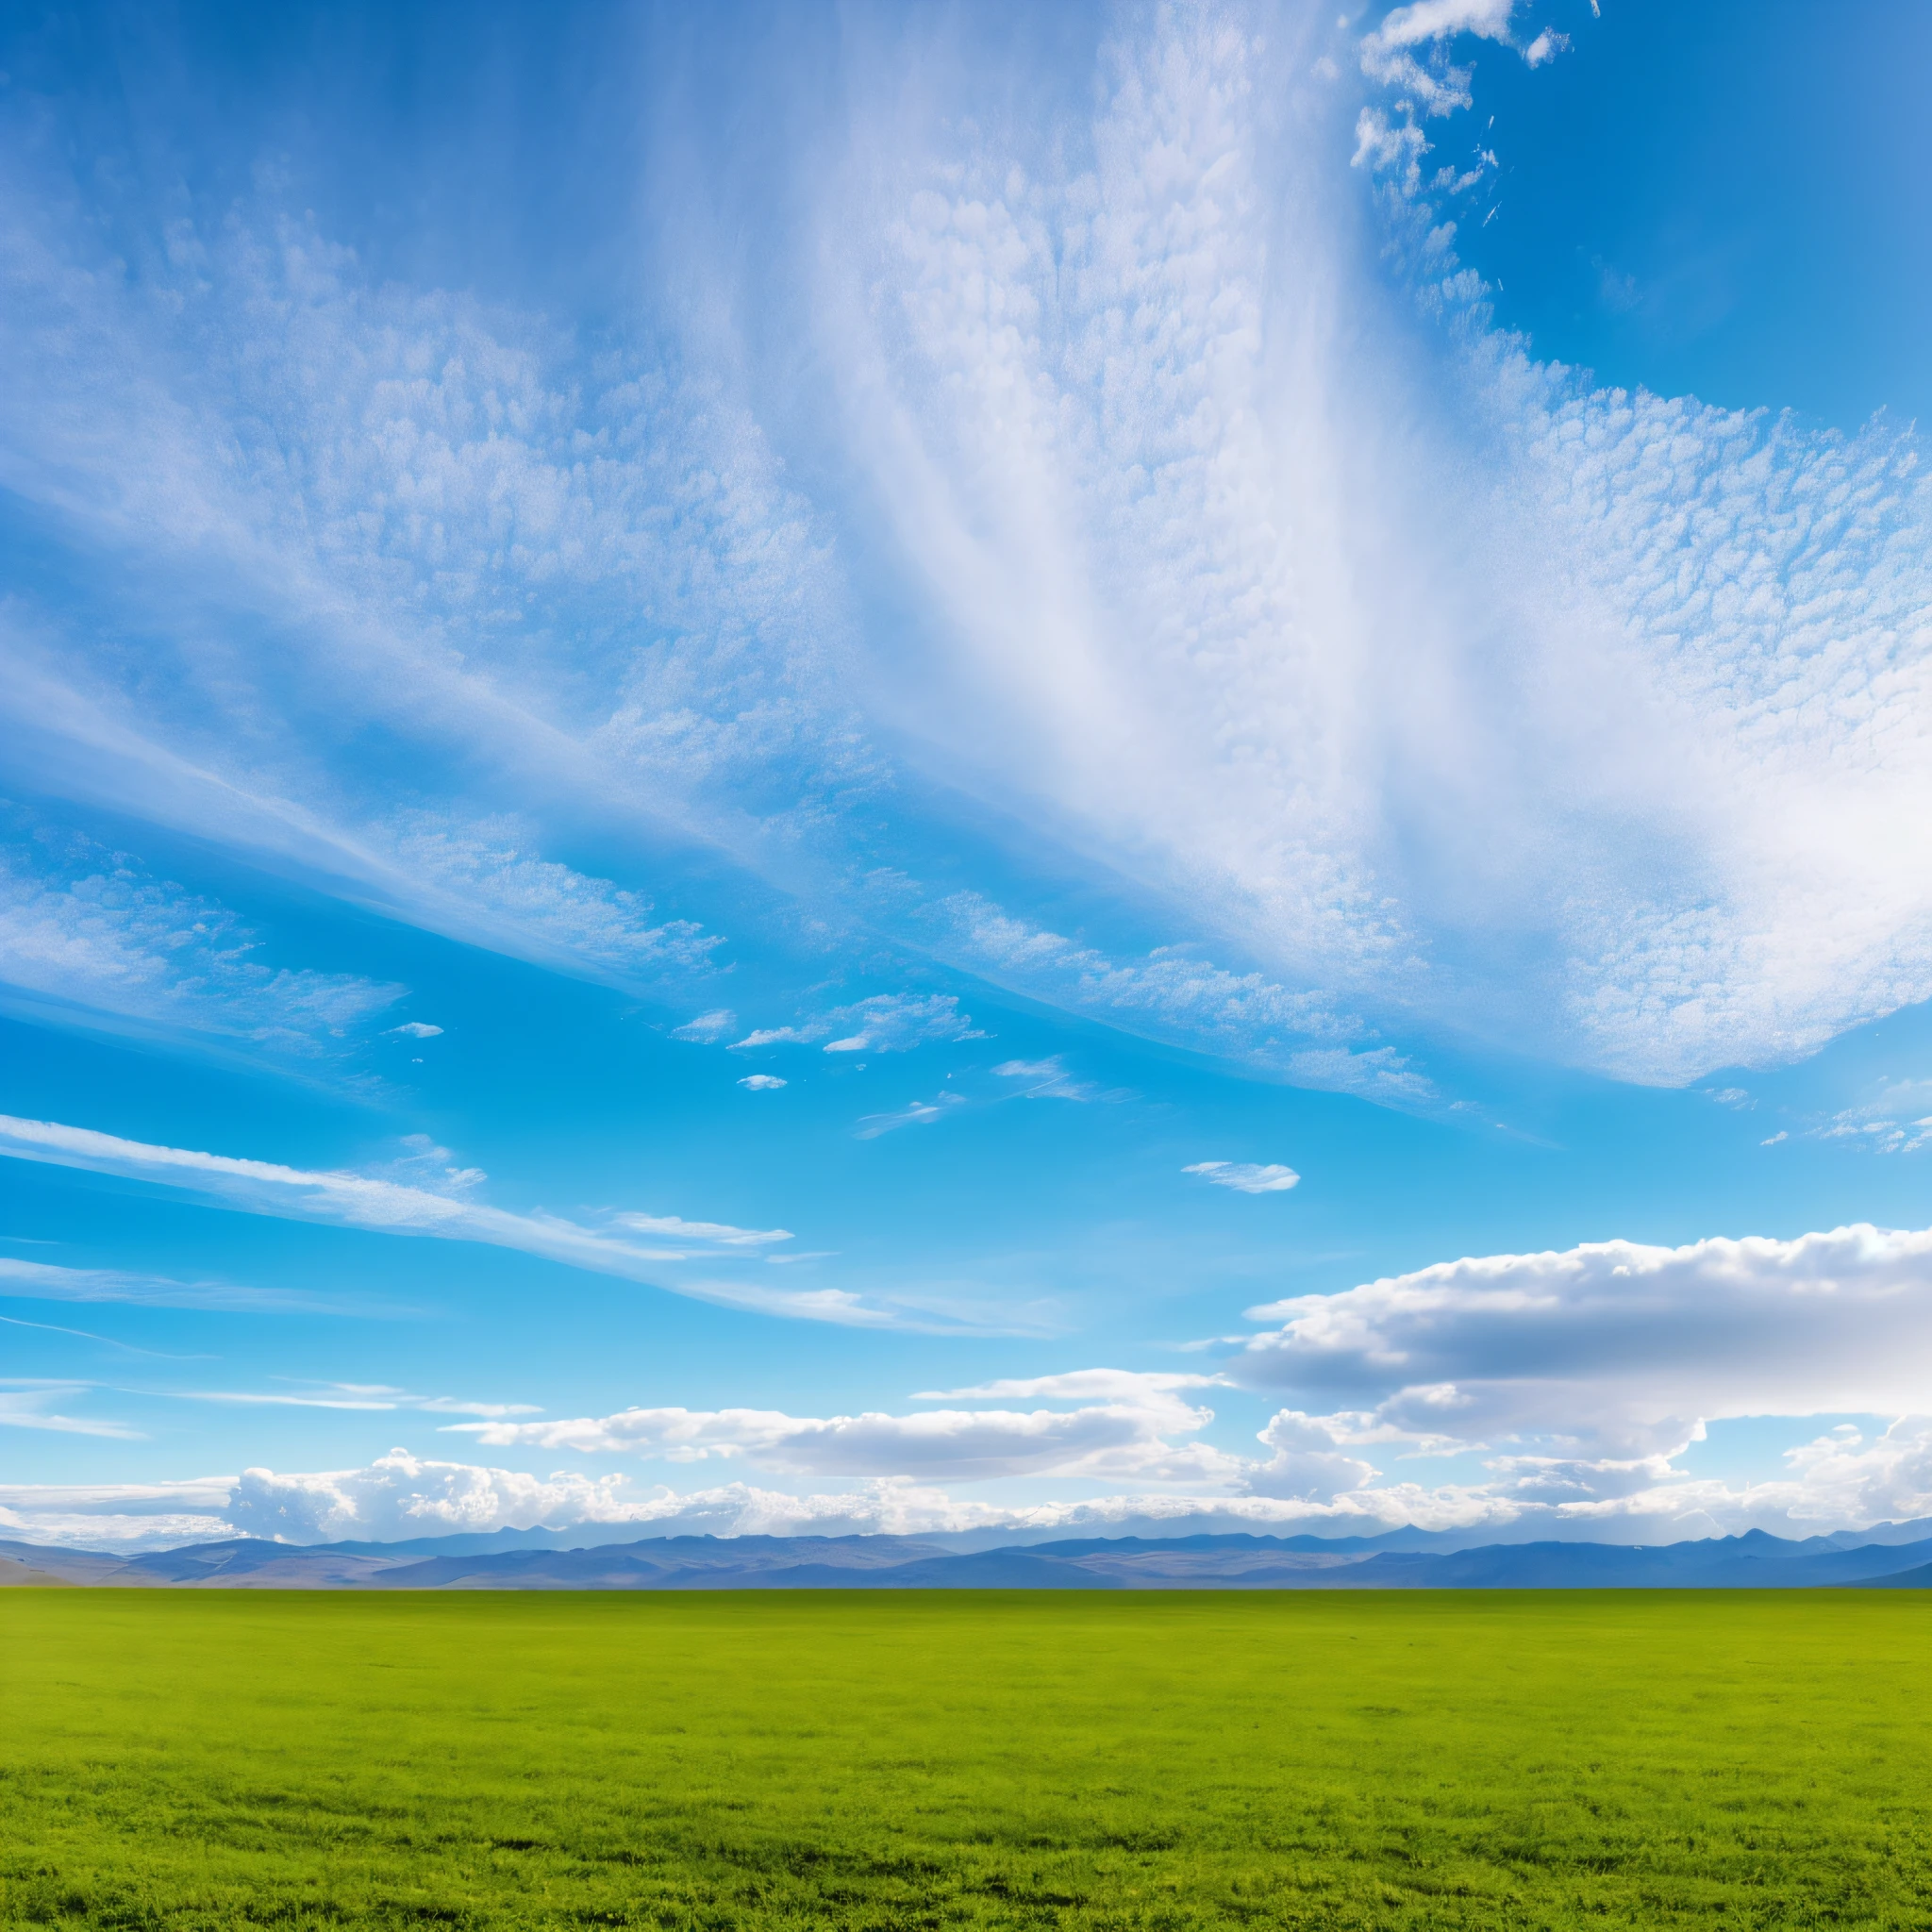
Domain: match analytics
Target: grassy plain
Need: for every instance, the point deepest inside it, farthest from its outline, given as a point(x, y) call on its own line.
point(1410, 1760)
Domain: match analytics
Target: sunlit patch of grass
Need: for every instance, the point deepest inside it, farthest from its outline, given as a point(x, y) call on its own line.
point(201, 1759)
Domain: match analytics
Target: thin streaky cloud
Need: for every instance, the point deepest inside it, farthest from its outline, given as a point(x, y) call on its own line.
point(351, 1200)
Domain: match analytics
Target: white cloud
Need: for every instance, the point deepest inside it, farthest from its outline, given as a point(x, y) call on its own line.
point(416, 1029)
point(778, 1036)
point(86, 935)
point(895, 1023)
point(1048, 1079)
point(399, 1207)
point(1156, 1392)
point(28, 1402)
point(1246, 1176)
point(589, 923)
point(1438, 20)
point(1121, 1434)
point(125, 1517)
point(1312, 1477)
point(885, 1022)
point(1310, 1464)
point(46, 1281)
point(915, 1113)
point(401, 1495)
point(1171, 489)
point(417, 500)
point(719, 1233)
point(373, 1397)
point(1714, 621)
point(1613, 1351)
point(762, 1083)
point(1173, 995)
point(1389, 53)
point(708, 1028)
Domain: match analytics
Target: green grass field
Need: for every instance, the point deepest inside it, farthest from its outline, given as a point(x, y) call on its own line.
point(1476, 1759)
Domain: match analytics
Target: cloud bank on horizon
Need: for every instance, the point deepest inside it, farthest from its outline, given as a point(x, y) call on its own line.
point(583, 761)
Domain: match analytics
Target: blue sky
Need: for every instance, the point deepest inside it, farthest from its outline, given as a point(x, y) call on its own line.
point(937, 770)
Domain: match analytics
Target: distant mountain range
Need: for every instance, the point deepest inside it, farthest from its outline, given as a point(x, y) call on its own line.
point(1893, 1556)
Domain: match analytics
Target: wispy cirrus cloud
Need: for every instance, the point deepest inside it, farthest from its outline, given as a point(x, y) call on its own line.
point(89, 936)
point(1049, 1079)
point(361, 1397)
point(26, 1403)
point(1247, 1176)
point(448, 1212)
point(48, 1281)
point(915, 1113)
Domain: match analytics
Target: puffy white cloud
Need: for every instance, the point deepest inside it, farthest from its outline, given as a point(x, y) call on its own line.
point(762, 1083)
point(1388, 54)
point(1309, 1464)
point(1246, 1176)
point(415, 1029)
point(1612, 1350)
point(400, 1496)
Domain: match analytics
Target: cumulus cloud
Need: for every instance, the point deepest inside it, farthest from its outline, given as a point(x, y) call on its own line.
point(401, 1495)
point(1388, 54)
point(416, 1029)
point(1246, 1176)
point(1613, 1350)
point(762, 1083)
point(1310, 1464)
